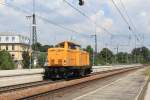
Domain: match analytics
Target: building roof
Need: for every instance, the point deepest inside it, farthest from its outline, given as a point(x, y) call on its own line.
point(11, 34)
point(21, 39)
point(8, 34)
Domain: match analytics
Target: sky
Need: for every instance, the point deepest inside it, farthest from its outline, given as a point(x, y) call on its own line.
point(101, 13)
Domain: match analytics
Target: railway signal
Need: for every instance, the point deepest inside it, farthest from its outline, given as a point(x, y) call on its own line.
point(81, 2)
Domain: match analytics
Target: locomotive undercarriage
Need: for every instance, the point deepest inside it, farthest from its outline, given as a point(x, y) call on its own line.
point(66, 72)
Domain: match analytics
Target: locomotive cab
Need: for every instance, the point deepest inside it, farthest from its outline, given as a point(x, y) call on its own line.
point(68, 45)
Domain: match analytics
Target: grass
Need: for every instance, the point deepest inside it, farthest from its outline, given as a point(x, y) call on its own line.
point(147, 72)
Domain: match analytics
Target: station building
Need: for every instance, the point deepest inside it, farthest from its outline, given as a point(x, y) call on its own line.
point(15, 44)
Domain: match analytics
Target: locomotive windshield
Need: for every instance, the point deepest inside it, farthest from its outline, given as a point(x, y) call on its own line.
point(73, 46)
point(60, 46)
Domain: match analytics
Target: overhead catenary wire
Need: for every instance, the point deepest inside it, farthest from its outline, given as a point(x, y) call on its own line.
point(129, 18)
point(129, 27)
point(122, 4)
point(43, 19)
point(51, 22)
point(60, 26)
point(83, 14)
point(123, 17)
point(76, 9)
point(135, 30)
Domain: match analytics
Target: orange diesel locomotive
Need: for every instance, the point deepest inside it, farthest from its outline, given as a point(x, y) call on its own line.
point(67, 60)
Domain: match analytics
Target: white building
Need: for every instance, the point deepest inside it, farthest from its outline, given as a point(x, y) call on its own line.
point(15, 44)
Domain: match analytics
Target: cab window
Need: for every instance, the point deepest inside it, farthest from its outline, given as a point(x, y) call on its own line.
point(74, 46)
point(60, 46)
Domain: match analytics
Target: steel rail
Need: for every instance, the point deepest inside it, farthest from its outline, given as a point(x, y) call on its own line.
point(22, 86)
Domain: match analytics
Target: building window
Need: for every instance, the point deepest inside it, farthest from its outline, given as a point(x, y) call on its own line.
point(6, 47)
point(7, 38)
point(13, 38)
point(13, 47)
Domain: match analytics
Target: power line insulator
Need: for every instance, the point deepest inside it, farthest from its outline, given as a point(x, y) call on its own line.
point(81, 2)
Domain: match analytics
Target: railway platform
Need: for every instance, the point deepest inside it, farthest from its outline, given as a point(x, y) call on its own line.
point(147, 92)
point(126, 88)
point(16, 77)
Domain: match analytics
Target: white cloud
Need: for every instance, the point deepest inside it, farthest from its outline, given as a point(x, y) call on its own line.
point(101, 11)
point(107, 23)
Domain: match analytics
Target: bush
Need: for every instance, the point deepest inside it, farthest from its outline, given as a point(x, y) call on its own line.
point(147, 72)
point(6, 61)
point(26, 59)
point(42, 58)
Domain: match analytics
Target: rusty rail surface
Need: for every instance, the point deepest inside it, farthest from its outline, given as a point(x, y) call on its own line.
point(31, 91)
point(21, 86)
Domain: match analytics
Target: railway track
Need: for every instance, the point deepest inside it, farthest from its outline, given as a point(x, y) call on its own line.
point(23, 86)
point(32, 89)
point(34, 84)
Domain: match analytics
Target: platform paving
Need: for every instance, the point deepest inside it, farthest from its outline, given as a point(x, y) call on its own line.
point(126, 88)
point(147, 95)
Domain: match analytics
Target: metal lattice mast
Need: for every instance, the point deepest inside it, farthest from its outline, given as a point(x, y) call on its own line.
point(34, 37)
point(34, 32)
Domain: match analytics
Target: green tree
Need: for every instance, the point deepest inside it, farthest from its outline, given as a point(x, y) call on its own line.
point(40, 47)
point(26, 59)
point(42, 58)
point(6, 61)
point(105, 56)
point(130, 58)
point(122, 57)
point(141, 55)
point(44, 48)
point(37, 46)
point(145, 55)
point(89, 49)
